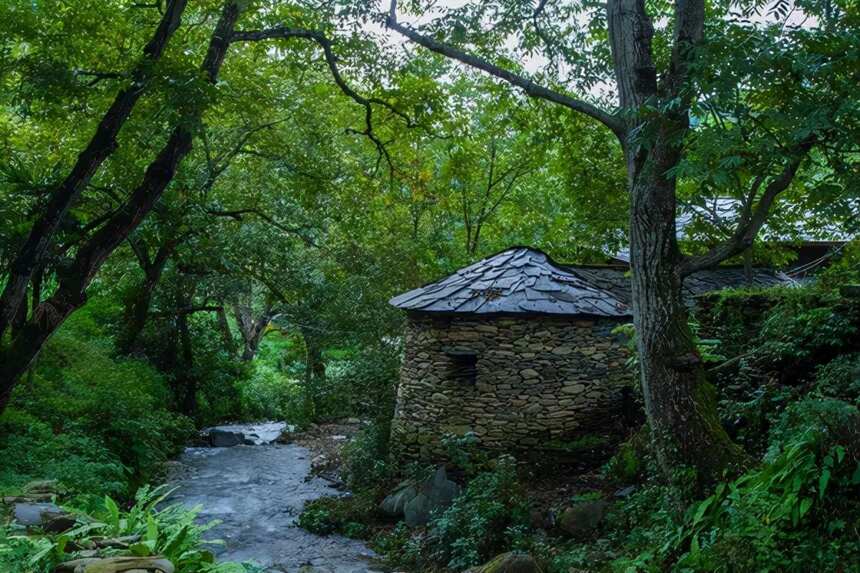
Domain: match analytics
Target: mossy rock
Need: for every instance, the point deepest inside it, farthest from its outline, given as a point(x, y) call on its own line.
point(511, 562)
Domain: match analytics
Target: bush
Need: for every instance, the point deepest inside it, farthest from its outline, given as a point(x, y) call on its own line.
point(267, 394)
point(80, 463)
point(97, 422)
point(482, 521)
point(171, 532)
point(840, 378)
point(791, 513)
point(350, 515)
point(360, 383)
point(365, 465)
point(807, 326)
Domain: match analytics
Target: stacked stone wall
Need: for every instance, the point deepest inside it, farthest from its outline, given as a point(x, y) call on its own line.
point(538, 380)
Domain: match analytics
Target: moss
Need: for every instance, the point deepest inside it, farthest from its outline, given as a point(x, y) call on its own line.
point(583, 443)
point(628, 463)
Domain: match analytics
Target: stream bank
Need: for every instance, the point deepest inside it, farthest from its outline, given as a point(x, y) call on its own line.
point(257, 493)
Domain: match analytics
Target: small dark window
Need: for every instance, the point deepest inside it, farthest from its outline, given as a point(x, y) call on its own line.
point(463, 367)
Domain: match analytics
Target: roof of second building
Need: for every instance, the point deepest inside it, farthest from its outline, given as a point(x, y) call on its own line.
point(522, 280)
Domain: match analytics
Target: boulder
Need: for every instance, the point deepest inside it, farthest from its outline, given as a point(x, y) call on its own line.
point(45, 486)
point(396, 501)
point(59, 523)
point(416, 501)
point(438, 492)
point(512, 562)
point(31, 514)
point(583, 518)
point(219, 438)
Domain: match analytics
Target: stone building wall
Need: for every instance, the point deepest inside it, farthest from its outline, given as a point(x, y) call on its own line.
point(537, 380)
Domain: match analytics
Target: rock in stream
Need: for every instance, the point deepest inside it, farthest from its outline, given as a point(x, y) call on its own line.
point(257, 492)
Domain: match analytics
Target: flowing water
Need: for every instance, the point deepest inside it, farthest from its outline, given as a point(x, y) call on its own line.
point(257, 492)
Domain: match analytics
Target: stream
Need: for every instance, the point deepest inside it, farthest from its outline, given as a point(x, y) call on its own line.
point(257, 492)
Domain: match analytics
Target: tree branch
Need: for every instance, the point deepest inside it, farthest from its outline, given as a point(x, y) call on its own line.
point(282, 32)
point(238, 215)
point(751, 220)
point(531, 89)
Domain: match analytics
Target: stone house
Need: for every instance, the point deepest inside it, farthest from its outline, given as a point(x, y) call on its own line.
point(520, 351)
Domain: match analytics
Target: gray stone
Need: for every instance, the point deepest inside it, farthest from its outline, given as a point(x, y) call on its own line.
point(512, 562)
point(396, 501)
point(31, 514)
point(438, 492)
point(219, 438)
point(582, 518)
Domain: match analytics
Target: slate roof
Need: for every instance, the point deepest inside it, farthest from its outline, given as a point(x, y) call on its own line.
point(723, 212)
point(525, 280)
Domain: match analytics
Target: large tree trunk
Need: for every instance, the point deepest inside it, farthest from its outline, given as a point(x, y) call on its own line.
point(680, 404)
point(70, 294)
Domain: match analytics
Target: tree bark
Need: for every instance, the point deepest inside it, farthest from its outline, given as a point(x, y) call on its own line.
point(692, 447)
point(73, 282)
point(252, 329)
point(100, 147)
point(138, 305)
point(186, 384)
point(226, 333)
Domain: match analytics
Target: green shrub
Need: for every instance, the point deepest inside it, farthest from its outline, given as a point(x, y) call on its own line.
point(791, 513)
point(807, 325)
point(402, 546)
point(465, 453)
point(350, 515)
point(98, 422)
point(482, 521)
point(840, 378)
point(82, 464)
point(171, 532)
point(268, 394)
point(365, 465)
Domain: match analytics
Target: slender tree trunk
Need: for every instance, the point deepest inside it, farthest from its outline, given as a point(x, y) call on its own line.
point(139, 304)
point(315, 373)
point(73, 282)
point(226, 333)
point(137, 310)
point(187, 383)
point(252, 329)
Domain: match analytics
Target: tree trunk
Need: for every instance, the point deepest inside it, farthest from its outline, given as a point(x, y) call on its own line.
point(314, 373)
point(187, 382)
point(226, 333)
point(138, 305)
point(692, 447)
point(137, 311)
point(70, 294)
point(252, 329)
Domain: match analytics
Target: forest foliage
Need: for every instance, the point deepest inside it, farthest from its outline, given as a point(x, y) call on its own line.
point(221, 246)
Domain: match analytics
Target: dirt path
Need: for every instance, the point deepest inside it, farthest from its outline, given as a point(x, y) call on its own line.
point(257, 492)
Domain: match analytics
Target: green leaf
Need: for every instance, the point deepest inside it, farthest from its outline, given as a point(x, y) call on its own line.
point(822, 482)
